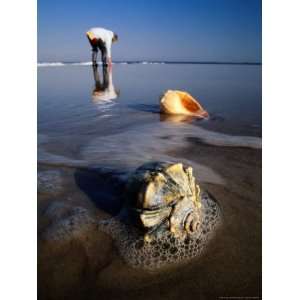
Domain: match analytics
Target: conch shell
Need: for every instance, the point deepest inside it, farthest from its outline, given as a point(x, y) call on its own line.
point(165, 197)
point(181, 103)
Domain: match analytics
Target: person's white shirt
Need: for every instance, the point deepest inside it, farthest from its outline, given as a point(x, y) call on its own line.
point(105, 35)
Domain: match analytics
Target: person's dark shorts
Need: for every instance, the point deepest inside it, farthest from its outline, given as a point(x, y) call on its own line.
point(97, 44)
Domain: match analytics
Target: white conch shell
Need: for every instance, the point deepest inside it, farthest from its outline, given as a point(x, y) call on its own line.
point(179, 102)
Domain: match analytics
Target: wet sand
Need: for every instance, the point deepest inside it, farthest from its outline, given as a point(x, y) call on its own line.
point(87, 266)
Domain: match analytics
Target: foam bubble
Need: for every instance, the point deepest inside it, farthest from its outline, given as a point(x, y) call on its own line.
point(166, 249)
point(49, 181)
point(75, 222)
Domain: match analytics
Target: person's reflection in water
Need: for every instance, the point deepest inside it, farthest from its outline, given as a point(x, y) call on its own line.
point(104, 91)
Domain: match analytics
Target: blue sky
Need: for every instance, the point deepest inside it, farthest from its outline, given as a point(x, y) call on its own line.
point(191, 30)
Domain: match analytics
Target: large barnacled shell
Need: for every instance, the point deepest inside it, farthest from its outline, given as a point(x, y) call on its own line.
point(165, 197)
point(181, 103)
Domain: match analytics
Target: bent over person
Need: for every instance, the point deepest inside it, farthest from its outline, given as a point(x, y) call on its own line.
point(101, 39)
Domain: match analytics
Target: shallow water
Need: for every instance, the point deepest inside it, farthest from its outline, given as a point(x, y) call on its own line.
point(231, 94)
point(89, 142)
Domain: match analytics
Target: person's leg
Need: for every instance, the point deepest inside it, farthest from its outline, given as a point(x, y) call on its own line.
point(94, 51)
point(104, 56)
point(103, 50)
point(94, 57)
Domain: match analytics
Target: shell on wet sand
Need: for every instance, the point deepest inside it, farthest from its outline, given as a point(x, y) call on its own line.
point(165, 197)
point(181, 103)
point(165, 219)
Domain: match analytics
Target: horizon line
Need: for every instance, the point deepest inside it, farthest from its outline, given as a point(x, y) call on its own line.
point(161, 61)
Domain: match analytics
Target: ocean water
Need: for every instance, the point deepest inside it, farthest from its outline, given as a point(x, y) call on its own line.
point(96, 127)
point(67, 107)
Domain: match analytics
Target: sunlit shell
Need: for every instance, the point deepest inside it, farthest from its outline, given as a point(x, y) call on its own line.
point(165, 197)
point(179, 102)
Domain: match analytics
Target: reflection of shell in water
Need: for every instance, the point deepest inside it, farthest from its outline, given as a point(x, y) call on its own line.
point(165, 197)
point(163, 250)
point(176, 118)
point(179, 102)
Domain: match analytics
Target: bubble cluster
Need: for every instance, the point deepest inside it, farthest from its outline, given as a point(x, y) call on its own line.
point(165, 249)
point(67, 222)
point(49, 182)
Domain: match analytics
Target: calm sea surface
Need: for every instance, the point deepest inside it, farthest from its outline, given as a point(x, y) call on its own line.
point(230, 93)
